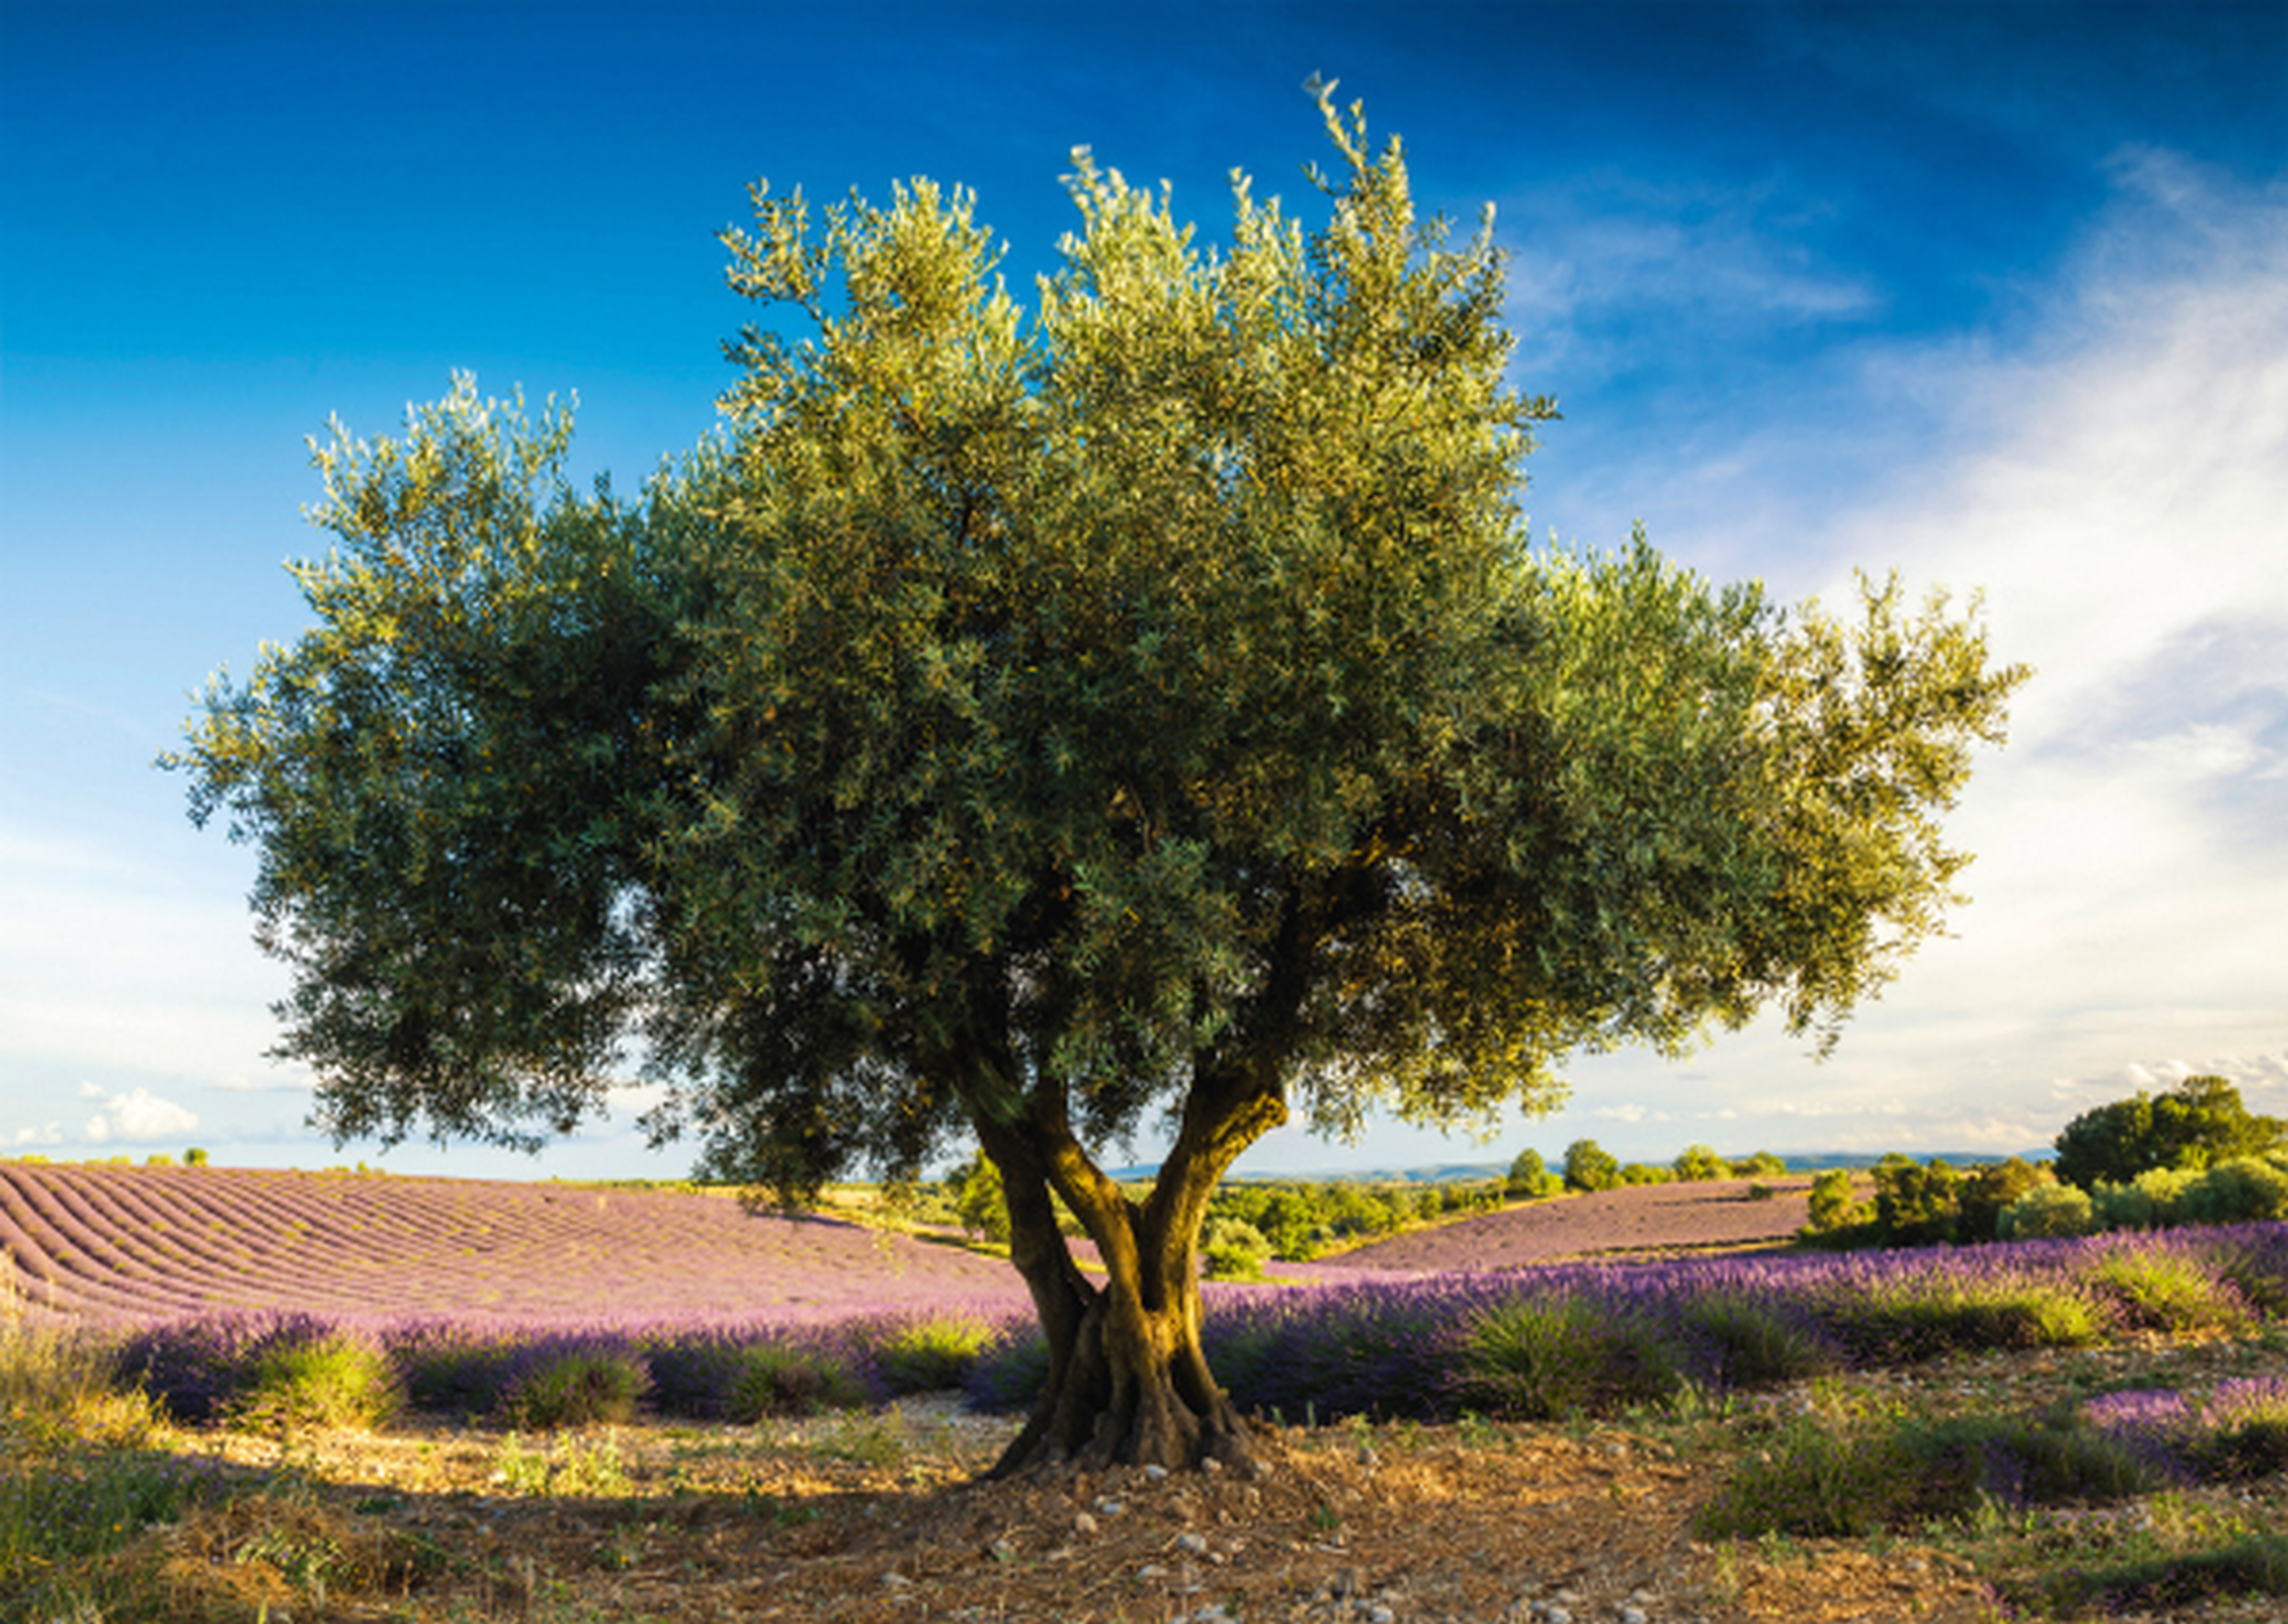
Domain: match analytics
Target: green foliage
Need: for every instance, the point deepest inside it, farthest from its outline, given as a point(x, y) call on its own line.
point(1756, 1345)
point(2241, 1189)
point(2198, 1124)
point(571, 1468)
point(1302, 1220)
point(2046, 1209)
point(1698, 1163)
point(194, 1157)
point(1636, 1173)
point(1834, 1209)
point(1915, 1206)
point(932, 1354)
point(1234, 1249)
point(1986, 1190)
point(1854, 1478)
point(1529, 1178)
point(1589, 1167)
point(1929, 1317)
point(978, 1203)
point(1763, 1163)
point(335, 1381)
point(582, 1387)
point(2250, 1564)
point(1548, 1357)
point(773, 1382)
point(2165, 1292)
point(2154, 1199)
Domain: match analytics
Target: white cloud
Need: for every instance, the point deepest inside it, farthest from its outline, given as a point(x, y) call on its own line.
point(47, 1133)
point(136, 1117)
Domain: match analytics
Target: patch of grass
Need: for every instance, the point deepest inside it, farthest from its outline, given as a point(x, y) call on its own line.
point(1854, 1478)
point(564, 1466)
point(2165, 1291)
point(773, 1381)
point(2253, 1564)
point(581, 1387)
point(1751, 1344)
point(1918, 1319)
point(932, 1354)
point(333, 1381)
point(1545, 1358)
point(1815, 1481)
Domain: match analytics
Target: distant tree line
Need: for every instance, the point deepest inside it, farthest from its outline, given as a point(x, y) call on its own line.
point(2193, 1153)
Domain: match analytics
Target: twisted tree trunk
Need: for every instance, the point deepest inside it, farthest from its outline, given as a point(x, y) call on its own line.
point(1127, 1380)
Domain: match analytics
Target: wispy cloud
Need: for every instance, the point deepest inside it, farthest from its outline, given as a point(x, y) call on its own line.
point(1592, 259)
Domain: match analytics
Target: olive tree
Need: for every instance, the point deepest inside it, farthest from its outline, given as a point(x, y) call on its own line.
point(1140, 712)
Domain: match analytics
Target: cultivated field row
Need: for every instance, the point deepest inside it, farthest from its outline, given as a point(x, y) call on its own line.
point(110, 1243)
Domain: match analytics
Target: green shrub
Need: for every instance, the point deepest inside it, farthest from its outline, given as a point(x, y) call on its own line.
point(194, 1157)
point(1916, 1206)
point(1913, 1319)
point(1589, 1167)
point(1816, 1483)
point(2154, 1199)
point(933, 1354)
point(1763, 1163)
point(1636, 1173)
point(2245, 1189)
point(789, 1381)
point(1755, 1347)
point(2198, 1124)
point(1696, 1164)
point(2047, 1209)
point(333, 1381)
point(1545, 1358)
point(2255, 1564)
point(1236, 1250)
point(978, 1203)
point(1988, 1188)
point(2164, 1292)
point(584, 1387)
point(1833, 1209)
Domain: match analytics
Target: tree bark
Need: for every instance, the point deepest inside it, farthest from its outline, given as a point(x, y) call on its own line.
point(1127, 1380)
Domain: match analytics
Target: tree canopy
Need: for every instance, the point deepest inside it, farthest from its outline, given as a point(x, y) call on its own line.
point(1141, 714)
point(2197, 1124)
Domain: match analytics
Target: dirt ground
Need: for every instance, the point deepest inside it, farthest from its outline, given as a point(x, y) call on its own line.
point(874, 1519)
point(871, 1518)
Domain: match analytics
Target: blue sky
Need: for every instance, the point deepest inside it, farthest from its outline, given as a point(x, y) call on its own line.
point(1994, 294)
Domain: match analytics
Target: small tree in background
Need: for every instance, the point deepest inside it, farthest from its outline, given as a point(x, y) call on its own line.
point(1834, 1208)
point(1988, 1188)
point(1916, 1205)
point(1529, 1178)
point(1589, 1166)
point(979, 1204)
point(1697, 1164)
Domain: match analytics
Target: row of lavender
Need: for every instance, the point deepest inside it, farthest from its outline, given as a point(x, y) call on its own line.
point(1592, 1338)
point(103, 1244)
point(1539, 1344)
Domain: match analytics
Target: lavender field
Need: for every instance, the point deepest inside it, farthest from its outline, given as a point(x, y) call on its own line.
point(113, 1245)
